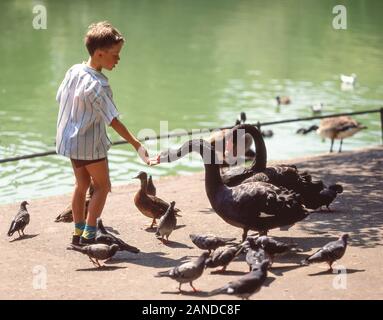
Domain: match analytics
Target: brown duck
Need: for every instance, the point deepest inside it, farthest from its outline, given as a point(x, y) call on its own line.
point(67, 215)
point(150, 206)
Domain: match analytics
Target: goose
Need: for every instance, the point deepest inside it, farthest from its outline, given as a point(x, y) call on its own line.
point(255, 206)
point(282, 100)
point(150, 206)
point(336, 128)
point(351, 79)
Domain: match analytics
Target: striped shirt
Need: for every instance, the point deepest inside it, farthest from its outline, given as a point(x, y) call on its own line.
point(86, 105)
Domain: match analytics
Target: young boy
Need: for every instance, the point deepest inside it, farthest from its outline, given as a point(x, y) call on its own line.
point(86, 105)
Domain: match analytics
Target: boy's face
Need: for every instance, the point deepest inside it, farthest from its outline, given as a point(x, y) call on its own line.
point(108, 58)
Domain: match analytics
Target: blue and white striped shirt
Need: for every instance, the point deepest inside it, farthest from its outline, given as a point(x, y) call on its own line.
point(86, 105)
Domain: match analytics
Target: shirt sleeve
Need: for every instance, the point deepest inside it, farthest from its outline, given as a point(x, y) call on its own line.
point(63, 85)
point(102, 102)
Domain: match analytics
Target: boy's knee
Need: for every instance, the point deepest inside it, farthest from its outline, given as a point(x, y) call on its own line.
point(82, 187)
point(104, 188)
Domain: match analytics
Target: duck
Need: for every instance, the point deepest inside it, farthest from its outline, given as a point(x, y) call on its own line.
point(317, 108)
point(283, 175)
point(67, 215)
point(336, 128)
point(151, 189)
point(350, 80)
point(20, 221)
point(283, 100)
point(257, 206)
point(150, 206)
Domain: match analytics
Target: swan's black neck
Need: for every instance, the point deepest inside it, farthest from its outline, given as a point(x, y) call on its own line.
point(210, 158)
point(260, 160)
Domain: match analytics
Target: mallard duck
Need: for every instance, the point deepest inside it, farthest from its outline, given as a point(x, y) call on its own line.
point(67, 215)
point(282, 100)
point(255, 206)
point(150, 206)
point(151, 189)
point(20, 221)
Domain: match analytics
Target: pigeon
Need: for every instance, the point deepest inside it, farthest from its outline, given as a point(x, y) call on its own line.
point(331, 252)
point(97, 251)
point(103, 236)
point(167, 223)
point(209, 242)
point(186, 272)
point(328, 195)
point(247, 285)
point(20, 221)
point(223, 256)
point(255, 255)
point(150, 188)
point(67, 215)
point(273, 247)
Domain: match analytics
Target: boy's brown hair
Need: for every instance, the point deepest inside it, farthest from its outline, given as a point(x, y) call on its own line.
point(101, 35)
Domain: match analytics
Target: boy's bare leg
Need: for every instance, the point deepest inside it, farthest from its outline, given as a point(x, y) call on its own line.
point(79, 194)
point(100, 176)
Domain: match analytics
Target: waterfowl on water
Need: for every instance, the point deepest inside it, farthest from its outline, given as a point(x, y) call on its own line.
point(150, 206)
point(283, 100)
point(255, 206)
point(351, 79)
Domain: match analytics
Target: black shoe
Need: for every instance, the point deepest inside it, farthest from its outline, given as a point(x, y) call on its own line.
point(76, 240)
point(84, 241)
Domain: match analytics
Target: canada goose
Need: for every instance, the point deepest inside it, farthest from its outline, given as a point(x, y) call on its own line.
point(283, 100)
point(150, 206)
point(20, 221)
point(336, 128)
point(351, 79)
point(255, 206)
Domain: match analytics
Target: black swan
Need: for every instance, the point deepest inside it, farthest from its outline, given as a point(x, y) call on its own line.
point(286, 176)
point(255, 206)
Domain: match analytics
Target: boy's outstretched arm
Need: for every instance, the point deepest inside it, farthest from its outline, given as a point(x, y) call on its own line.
point(120, 128)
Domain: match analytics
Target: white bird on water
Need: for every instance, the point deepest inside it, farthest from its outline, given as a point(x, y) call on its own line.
point(348, 79)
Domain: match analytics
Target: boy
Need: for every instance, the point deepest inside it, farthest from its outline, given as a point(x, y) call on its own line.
point(86, 105)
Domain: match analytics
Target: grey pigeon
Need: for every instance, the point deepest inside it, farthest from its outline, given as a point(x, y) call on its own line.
point(273, 247)
point(167, 223)
point(186, 272)
point(20, 221)
point(103, 236)
point(255, 255)
point(97, 251)
point(150, 188)
point(223, 256)
point(209, 242)
point(247, 285)
point(331, 252)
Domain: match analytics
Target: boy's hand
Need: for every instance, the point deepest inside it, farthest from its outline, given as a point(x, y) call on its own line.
point(143, 153)
point(155, 160)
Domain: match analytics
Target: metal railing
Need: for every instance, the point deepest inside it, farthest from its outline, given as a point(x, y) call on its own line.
point(168, 135)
